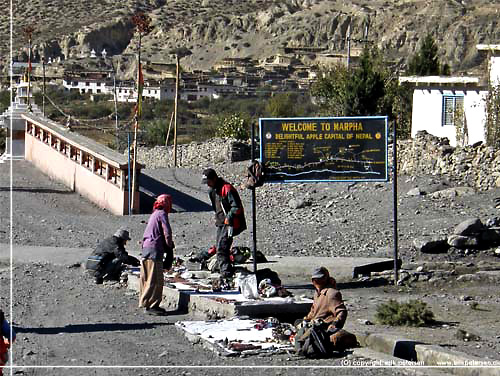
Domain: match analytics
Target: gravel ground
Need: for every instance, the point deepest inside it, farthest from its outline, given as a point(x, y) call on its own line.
point(86, 325)
point(71, 324)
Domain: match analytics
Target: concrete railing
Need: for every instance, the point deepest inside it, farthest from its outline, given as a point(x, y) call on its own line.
point(95, 171)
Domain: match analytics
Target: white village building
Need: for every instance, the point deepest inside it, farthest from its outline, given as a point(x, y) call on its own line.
point(454, 106)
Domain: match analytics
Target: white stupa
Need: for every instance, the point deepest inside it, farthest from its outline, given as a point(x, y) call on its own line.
point(14, 112)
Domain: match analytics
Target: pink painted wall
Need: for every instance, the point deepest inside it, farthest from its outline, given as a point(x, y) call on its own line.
point(78, 178)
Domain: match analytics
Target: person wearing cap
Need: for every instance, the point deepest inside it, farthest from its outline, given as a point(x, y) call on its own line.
point(157, 244)
point(229, 218)
point(106, 261)
point(328, 305)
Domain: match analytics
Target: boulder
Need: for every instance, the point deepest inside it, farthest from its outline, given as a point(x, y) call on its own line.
point(453, 192)
point(415, 192)
point(471, 226)
point(463, 242)
point(431, 244)
point(298, 203)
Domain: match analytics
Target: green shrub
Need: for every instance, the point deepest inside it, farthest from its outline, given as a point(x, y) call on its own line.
point(233, 126)
point(413, 313)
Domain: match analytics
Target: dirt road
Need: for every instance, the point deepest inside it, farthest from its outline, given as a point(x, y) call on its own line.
point(65, 320)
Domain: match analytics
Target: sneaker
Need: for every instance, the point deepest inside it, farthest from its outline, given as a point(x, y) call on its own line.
point(99, 281)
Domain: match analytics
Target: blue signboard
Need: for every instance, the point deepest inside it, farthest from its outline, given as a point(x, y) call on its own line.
point(324, 149)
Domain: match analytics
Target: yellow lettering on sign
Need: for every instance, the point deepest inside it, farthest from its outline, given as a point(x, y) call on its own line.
point(363, 136)
point(298, 127)
point(348, 127)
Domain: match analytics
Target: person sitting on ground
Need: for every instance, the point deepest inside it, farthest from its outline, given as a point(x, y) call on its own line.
point(107, 260)
point(7, 334)
point(157, 244)
point(327, 305)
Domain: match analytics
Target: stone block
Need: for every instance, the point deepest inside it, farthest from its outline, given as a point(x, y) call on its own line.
point(431, 244)
point(463, 242)
point(468, 227)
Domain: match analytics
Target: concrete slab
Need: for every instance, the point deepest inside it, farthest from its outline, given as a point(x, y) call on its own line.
point(226, 304)
point(457, 363)
point(290, 269)
point(425, 355)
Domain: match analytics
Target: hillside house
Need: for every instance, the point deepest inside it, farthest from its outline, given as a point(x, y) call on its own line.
point(454, 107)
point(88, 85)
point(127, 91)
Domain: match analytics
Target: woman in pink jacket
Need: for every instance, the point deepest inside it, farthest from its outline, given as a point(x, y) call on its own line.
point(157, 243)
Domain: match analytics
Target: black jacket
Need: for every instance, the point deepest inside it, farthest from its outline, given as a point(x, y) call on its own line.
point(227, 206)
point(111, 248)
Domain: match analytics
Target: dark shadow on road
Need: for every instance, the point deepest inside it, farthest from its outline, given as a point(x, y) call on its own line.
point(89, 328)
point(35, 190)
point(150, 188)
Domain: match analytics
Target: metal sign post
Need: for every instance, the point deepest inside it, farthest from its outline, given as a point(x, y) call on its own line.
point(395, 202)
point(254, 208)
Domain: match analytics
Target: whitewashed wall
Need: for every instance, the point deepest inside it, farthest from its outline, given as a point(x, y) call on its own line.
point(428, 109)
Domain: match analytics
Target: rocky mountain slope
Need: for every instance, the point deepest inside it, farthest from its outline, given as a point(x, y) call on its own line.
point(215, 29)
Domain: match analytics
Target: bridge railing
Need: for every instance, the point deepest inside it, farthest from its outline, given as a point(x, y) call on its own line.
point(85, 166)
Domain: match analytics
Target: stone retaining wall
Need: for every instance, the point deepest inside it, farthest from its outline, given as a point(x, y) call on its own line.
point(195, 154)
point(474, 166)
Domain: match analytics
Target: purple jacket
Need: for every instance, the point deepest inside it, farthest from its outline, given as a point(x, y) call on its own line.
point(157, 236)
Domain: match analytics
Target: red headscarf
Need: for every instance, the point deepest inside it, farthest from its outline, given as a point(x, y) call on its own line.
point(164, 202)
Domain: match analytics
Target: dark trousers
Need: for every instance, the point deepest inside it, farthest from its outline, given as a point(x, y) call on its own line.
point(224, 243)
point(110, 271)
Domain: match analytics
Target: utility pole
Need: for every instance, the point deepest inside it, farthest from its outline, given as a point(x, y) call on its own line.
point(43, 87)
point(348, 44)
point(142, 23)
point(117, 140)
point(179, 54)
point(175, 106)
point(28, 31)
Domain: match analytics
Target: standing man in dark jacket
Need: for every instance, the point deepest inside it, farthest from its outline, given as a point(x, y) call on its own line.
point(229, 218)
point(106, 262)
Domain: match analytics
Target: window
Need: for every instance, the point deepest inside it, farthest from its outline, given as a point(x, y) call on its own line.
point(453, 106)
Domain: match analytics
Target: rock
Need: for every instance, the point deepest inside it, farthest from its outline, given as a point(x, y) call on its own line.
point(420, 269)
point(463, 242)
point(466, 336)
point(471, 226)
point(298, 203)
point(465, 298)
point(431, 244)
point(365, 322)
point(497, 252)
point(415, 192)
point(450, 193)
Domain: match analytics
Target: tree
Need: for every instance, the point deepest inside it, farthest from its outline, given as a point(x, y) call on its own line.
point(330, 91)
point(355, 92)
point(367, 90)
point(426, 62)
point(281, 105)
point(234, 126)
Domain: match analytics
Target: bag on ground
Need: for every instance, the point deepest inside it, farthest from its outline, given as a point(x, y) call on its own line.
point(247, 284)
point(312, 341)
